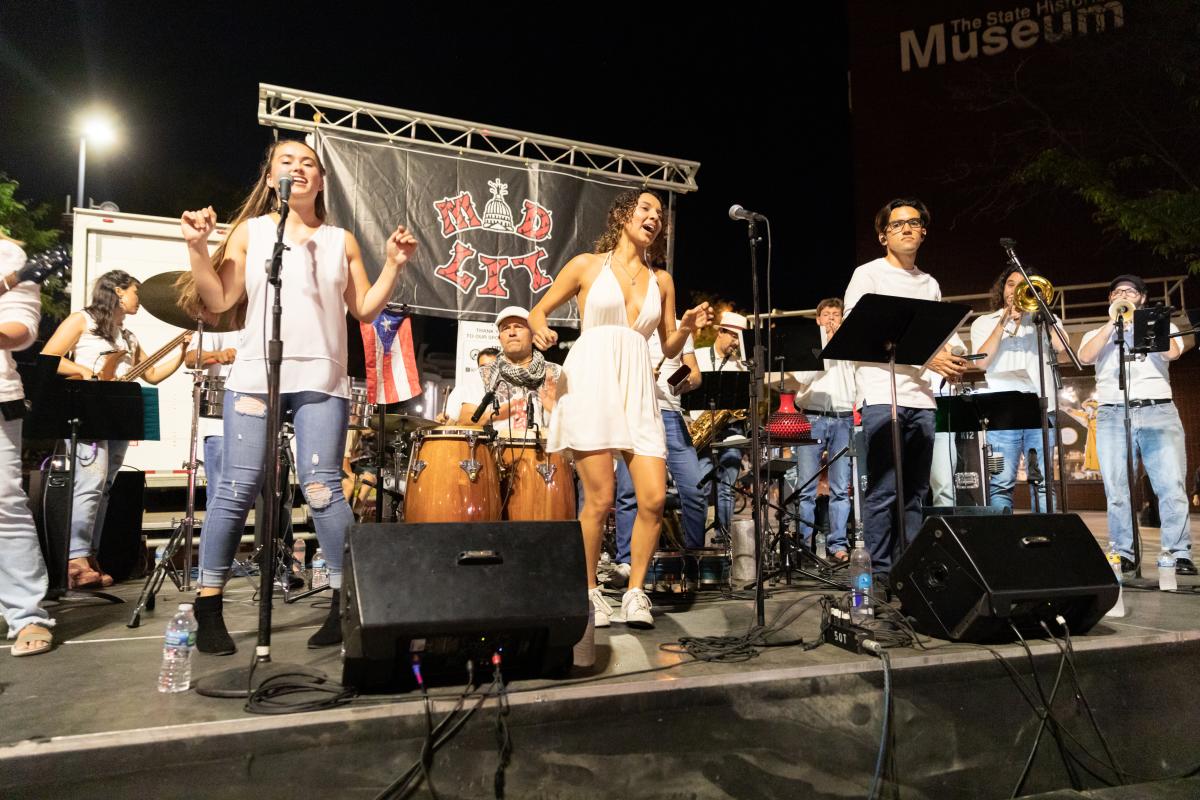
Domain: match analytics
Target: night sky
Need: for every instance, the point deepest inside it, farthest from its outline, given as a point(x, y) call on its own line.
point(761, 103)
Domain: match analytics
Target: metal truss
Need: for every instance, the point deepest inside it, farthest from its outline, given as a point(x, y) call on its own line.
point(292, 109)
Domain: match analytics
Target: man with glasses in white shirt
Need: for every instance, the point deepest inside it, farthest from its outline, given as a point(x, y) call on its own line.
point(901, 227)
point(1155, 426)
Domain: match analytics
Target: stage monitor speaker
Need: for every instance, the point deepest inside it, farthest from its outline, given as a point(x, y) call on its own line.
point(121, 554)
point(969, 579)
point(120, 540)
point(448, 592)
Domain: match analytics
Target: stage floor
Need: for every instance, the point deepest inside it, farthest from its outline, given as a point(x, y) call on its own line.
point(97, 691)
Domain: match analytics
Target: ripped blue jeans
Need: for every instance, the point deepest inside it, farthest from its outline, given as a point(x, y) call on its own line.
point(320, 422)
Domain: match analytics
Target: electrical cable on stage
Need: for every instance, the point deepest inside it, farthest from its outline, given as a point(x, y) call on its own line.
point(1037, 739)
point(885, 732)
point(735, 649)
point(1055, 729)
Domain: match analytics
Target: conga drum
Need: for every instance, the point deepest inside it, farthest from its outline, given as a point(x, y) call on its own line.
point(537, 485)
point(452, 477)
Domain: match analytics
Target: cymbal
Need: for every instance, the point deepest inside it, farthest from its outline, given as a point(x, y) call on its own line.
point(159, 296)
point(396, 423)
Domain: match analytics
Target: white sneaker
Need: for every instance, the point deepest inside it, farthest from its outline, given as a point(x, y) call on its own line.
point(602, 611)
point(635, 606)
point(618, 578)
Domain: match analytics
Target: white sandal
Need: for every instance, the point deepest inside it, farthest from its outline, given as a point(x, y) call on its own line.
point(30, 634)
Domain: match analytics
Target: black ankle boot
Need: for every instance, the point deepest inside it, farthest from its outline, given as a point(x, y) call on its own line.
point(330, 632)
point(212, 636)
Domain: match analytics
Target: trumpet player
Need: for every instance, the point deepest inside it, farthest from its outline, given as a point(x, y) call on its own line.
point(1007, 339)
point(1156, 430)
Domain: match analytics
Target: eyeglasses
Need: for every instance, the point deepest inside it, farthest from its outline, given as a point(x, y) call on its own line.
point(1128, 291)
point(895, 225)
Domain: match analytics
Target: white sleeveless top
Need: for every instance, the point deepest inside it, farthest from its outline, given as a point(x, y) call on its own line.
point(89, 350)
point(313, 328)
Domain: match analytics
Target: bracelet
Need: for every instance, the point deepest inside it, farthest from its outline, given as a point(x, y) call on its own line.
point(8, 288)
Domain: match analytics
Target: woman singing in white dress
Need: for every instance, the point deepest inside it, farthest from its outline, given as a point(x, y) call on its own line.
point(606, 401)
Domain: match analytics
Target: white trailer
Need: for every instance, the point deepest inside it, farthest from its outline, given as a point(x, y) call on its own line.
point(144, 247)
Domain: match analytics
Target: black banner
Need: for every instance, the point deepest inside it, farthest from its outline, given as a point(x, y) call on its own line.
point(491, 234)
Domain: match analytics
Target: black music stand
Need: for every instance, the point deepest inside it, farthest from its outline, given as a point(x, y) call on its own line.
point(990, 411)
point(74, 410)
point(883, 329)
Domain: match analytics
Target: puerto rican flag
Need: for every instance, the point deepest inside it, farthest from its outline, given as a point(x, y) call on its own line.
point(389, 350)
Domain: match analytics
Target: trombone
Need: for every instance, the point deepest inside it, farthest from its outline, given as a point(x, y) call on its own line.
point(1120, 311)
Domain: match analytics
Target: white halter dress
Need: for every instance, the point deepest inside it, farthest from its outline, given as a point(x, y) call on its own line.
point(606, 398)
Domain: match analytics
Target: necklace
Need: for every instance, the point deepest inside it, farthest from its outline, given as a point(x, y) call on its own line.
point(633, 277)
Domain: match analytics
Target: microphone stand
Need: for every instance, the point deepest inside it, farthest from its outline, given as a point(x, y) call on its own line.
point(755, 366)
point(1123, 384)
point(1044, 319)
point(242, 682)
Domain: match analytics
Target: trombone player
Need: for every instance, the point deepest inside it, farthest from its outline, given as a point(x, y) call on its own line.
point(1007, 340)
point(1156, 430)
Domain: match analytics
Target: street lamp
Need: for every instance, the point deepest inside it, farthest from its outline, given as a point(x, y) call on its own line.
point(99, 128)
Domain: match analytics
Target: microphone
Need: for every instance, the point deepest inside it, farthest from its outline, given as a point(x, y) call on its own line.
point(285, 188)
point(995, 461)
point(956, 350)
point(489, 396)
point(1031, 467)
point(736, 212)
point(1007, 243)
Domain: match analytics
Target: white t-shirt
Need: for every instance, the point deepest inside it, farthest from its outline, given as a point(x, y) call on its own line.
point(22, 305)
point(209, 426)
point(709, 361)
point(514, 401)
point(831, 389)
point(913, 387)
point(1014, 366)
point(1148, 379)
point(662, 389)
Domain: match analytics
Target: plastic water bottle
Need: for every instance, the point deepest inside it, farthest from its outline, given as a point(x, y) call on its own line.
point(1114, 560)
point(320, 571)
point(299, 554)
point(819, 546)
point(862, 586)
point(178, 644)
point(1167, 582)
point(159, 552)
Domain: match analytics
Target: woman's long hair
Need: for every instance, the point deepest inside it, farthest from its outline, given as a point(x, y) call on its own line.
point(261, 200)
point(619, 213)
point(105, 303)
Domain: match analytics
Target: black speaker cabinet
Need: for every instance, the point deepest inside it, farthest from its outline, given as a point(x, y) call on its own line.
point(447, 592)
point(968, 579)
point(120, 540)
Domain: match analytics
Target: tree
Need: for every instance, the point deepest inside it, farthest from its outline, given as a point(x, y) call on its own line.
point(1108, 117)
point(25, 224)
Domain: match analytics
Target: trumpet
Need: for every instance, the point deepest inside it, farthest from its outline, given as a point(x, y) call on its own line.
point(1024, 298)
point(1120, 310)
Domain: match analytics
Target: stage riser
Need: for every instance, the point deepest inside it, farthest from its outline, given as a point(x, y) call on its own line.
point(962, 730)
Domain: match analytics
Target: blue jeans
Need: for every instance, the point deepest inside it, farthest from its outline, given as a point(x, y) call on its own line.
point(1013, 445)
point(729, 466)
point(96, 466)
point(22, 570)
point(916, 458)
point(941, 473)
point(213, 451)
point(685, 470)
point(320, 421)
point(834, 434)
point(1158, 438)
